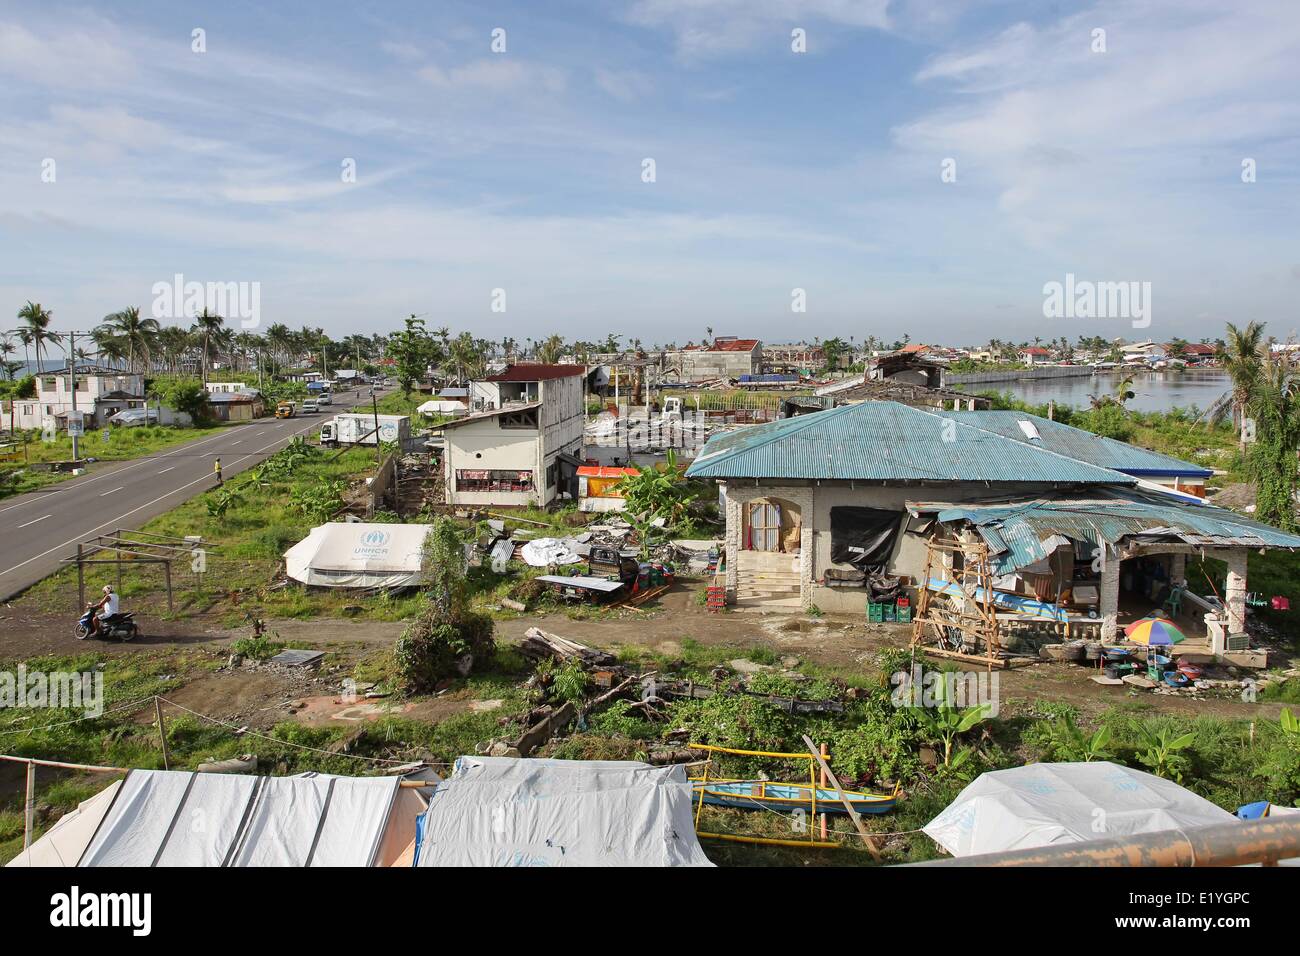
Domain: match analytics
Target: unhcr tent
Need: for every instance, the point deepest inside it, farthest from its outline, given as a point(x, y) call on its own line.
point(63, 843)
point(356, 554)
point(179, 818)
point(1049, 804)
point(502, 811)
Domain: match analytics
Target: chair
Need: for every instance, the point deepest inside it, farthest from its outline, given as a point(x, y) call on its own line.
point(1174, 603)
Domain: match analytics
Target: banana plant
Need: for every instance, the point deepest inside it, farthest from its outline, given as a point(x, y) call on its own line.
point(1163, 754)
point(945, 722)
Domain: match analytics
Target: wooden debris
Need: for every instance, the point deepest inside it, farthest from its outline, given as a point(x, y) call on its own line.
point(539, 645)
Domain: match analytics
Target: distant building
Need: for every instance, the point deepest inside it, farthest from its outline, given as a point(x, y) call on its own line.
point(236, 405)
point(1035, 355)
point(521, 443)
point(726, 357)
point(101, 393)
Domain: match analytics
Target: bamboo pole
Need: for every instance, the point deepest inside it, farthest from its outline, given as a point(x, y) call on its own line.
point(162, 732)
point(857, 818)
point(29, 808)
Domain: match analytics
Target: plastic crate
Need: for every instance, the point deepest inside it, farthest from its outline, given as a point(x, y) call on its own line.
point(904, 614)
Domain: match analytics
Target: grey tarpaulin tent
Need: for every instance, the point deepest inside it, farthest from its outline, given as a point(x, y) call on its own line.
point(175, 818)
point(502, 811)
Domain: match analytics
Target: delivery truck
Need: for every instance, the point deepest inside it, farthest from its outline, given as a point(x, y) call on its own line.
point(359, 429)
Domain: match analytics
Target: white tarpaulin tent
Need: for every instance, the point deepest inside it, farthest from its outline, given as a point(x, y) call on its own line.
point(1049, 804)
point(504, 811)
point(178, 818)
point(443, 407)
point(357, 554)
point(63, 843)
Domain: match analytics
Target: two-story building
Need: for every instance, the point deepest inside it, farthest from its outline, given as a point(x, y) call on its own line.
point(521, 443)
point(101, 393)
point(725, 357)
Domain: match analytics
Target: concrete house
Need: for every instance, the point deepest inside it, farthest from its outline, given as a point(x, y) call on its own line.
point(726, 357)
point(865, 487)
point(521, 443)
point(101, 393)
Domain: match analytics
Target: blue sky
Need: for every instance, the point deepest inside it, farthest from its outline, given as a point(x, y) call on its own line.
point(774, 170)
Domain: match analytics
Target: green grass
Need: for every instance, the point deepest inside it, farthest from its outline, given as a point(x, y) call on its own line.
point(123, 444)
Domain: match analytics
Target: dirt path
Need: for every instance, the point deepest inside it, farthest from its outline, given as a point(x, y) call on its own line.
point(831, 641)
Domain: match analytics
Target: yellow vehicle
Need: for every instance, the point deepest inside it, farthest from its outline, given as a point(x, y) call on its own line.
point(286, 410)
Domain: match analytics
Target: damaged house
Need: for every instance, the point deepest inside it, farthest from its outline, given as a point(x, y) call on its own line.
point(521, 442)
point(816, 505)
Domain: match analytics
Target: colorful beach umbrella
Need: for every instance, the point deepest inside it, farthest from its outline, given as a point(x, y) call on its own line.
point(1154, 632)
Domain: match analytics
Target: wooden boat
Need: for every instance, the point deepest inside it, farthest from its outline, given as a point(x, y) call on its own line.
point(784, 797)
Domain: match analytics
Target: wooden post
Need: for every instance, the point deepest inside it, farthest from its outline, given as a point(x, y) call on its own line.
point(29, 810)
point(167, 572)
point(857, 818)
point(162, 731)
point(823, 783)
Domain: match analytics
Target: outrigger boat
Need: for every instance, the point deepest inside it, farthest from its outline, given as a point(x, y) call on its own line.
point(785, 797)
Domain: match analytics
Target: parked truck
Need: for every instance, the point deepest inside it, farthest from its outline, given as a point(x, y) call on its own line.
point(359, 429)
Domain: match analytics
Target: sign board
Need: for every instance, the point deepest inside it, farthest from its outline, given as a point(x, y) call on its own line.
point(76, 425)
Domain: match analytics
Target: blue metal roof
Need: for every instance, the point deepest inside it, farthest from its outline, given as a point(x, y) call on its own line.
point(1082, 445)
point(886, 441)
point(1015, 530)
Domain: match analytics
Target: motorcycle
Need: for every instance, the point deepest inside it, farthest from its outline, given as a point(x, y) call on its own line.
point(120, 626)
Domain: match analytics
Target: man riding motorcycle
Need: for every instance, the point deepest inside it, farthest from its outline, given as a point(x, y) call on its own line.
point(106, 608)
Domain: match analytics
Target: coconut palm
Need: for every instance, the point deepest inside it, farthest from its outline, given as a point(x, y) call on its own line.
point(137, 335)
point(1275, 406)
point(207, 325)
point(1241, 359)
point(38, 320)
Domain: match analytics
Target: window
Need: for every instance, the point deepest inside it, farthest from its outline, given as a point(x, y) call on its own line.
point(552, 471)
point(526, 419)
point(483, 479)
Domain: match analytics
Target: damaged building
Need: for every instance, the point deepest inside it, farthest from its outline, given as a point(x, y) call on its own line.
point(817, 505)
point(521, 443)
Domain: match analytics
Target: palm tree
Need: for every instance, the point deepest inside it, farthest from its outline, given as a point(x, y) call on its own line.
point(137, 334)
point(7, 348)
point(207, 325)
point(1241, 360)
point(1275, 406)
point(38, 323)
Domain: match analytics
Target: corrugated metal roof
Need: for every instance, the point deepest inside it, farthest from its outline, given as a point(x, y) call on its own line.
point(1082, 445)
point(1015, 530)
point(535, 372)
point(886, 441)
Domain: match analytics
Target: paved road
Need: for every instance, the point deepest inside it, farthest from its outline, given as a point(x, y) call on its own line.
point(40, 527)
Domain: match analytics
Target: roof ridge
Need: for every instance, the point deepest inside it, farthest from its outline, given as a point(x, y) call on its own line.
point(1124, 479)
point(784, 427)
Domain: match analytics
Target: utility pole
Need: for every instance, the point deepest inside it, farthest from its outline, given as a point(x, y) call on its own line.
point(375, 402)
point(72, 377)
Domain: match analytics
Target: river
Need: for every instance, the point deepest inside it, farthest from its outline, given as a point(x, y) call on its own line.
point(1156, 391)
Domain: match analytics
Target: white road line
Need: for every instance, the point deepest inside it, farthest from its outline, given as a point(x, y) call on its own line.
point(112, 521)
point(233, 443)
point(81, 483)
point(114, 491)
point(165, 470)
point(41, 518)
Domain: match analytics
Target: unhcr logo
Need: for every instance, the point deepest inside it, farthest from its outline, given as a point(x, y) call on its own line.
point(372, 544)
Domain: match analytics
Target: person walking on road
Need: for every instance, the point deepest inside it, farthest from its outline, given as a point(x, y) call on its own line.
point(216, 470)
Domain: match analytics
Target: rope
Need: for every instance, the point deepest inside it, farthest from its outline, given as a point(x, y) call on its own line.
point(77, 720)
point(286, 743)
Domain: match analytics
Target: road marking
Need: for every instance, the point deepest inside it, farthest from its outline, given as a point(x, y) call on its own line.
point(233, 443)
point(112, 521)
point(41, 518)
point(114, 491)
point(79, 483)
point(165, 470)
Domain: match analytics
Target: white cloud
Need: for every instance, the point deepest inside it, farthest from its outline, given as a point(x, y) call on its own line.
point(625, 85)
point(705, 28)
point(495, 74)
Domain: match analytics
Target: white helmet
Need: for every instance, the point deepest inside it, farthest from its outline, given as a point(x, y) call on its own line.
point(108, 589)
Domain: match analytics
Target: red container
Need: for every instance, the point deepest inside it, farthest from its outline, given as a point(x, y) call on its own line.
point(1281, 603)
